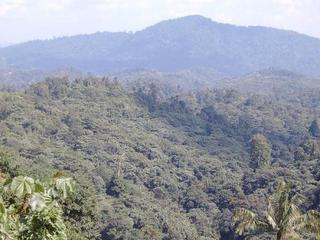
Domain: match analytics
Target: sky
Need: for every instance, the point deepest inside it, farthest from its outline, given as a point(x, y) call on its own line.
point(23, 20)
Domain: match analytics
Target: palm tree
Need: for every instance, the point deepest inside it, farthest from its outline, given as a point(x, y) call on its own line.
point(312, 218)
point(283, 217)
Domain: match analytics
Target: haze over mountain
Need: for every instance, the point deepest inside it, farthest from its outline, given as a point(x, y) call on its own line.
point(183, 43)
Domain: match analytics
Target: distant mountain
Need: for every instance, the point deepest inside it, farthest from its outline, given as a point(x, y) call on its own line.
point(183, 43)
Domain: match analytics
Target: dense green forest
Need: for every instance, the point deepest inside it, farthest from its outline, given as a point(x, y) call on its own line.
point(153, 163)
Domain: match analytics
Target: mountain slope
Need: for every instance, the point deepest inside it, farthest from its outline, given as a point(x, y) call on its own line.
point(182, 43)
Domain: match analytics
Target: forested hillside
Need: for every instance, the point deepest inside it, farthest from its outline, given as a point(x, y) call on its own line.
point(184, 43)
point(157, 164)
point(18, 78)
point(275, 83)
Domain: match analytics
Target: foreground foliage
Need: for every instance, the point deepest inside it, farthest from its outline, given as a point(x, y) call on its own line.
point(31, 210)
point(283, 217)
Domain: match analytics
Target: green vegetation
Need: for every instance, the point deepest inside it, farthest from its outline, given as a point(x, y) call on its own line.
point(260, 151)
point(314, 128)
point(152, 164)
point(283, 217)
point(30, 209)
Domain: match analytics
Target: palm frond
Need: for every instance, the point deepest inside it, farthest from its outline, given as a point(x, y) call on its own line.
point(290, 234)
point(270, 216)
point(282, 217)
point(293, 216)
point(312, 222)
point(247, 221)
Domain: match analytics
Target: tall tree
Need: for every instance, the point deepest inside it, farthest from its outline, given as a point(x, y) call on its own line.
point(282, 218)
point(314, 128)
point(260, 151)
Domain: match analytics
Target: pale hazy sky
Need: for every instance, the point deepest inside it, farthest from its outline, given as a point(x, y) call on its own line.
point(22, 20)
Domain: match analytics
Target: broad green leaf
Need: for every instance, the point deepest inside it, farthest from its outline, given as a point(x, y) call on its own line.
point(43, 217)
point(2, 212)
point(39, 187)
point(37, 202)
point(20, 186)
point(65, 186)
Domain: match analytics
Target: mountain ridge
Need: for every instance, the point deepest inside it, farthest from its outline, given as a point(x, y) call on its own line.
point(173, 45)
point(197, 17)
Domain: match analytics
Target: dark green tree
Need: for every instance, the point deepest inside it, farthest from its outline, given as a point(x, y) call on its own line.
point(6, 165)
point(116, 186)
point(314, 128)
point(260, 151)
